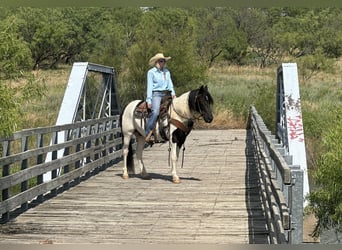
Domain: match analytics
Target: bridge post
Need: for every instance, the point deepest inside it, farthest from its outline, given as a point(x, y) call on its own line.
point(289, 123)
point(296, 205)
point(83, 101)
point(290, 132)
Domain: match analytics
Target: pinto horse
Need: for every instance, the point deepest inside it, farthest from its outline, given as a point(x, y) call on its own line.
point(181, 112)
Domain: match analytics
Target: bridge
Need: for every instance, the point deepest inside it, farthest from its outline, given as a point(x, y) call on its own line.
point(237, 186)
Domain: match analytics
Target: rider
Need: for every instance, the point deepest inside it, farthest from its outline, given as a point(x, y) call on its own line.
point(159, 84)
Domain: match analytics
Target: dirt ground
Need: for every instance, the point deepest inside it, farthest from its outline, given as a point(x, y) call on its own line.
point(309, 223)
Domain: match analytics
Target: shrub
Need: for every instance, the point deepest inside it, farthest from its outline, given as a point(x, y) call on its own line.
point(327, 201)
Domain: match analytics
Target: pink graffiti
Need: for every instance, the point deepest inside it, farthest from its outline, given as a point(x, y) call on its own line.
point(295, 126)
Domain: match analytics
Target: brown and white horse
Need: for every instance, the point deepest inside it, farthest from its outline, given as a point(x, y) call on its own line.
point(182, 111)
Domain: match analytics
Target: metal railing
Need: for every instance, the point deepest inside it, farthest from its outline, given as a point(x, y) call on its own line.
point(281, 185)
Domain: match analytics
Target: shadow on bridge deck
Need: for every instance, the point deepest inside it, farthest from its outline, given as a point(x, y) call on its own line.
point(256, 216)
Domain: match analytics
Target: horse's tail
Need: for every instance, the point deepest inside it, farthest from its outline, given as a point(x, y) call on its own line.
point(130, 159)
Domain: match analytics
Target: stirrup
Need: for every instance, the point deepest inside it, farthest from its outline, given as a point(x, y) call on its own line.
point(150, 138)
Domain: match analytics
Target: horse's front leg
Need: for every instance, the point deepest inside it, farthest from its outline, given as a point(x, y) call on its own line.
point(139, 153)
point(174, 159)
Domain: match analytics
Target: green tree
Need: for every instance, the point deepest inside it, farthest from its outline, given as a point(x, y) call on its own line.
point(9, 110)
point(87, 30)
point(167, 30)
point(327, 201)
point(331, 34)
point(46, 32)
point(59, 35)
point(311, 65)
point(258, 27)
point(217, 35)
point(116, 36)
point(15, 56)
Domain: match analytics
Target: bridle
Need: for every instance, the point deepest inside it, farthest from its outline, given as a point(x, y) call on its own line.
point(199, 107)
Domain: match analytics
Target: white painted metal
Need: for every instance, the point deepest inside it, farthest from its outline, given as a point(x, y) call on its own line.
point(289, 119)
point(73, 107)
point(69, 105)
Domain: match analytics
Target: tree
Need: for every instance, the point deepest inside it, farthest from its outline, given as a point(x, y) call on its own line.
point(331, 33)
point(9, 110)
point(15, 61)
point(15, 56)
point(258, 27)
point(327, 200)
point(45, 32)
point(116, 36)
point(311, 65)
point(217, 35)
point(59, 35)
point(167, 30)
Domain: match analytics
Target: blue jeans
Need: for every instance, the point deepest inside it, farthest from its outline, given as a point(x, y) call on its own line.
point(156, 100)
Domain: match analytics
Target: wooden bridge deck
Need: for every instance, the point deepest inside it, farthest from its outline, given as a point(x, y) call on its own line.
point(217, 201)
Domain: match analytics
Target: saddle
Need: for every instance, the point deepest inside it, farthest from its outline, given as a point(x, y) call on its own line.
point(142, 111)
point(164, 117)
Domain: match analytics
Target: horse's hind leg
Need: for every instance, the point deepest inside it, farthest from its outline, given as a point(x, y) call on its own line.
point(125, 152)
point(139, 153)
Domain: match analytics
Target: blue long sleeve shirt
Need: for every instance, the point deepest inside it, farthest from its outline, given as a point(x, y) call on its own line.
point(158, 80)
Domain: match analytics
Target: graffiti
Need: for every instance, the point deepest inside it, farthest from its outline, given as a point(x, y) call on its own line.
point(292, 104)
point(295, 126)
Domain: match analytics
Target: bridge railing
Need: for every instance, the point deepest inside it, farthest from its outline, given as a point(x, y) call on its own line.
point(88, 147)
point(281, 185)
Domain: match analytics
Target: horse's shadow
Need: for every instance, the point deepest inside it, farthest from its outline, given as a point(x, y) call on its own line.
point(156, 176)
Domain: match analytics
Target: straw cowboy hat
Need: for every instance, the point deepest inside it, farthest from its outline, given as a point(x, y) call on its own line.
point(157, 57)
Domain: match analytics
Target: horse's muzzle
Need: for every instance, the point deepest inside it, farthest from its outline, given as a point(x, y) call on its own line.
point(208, 119)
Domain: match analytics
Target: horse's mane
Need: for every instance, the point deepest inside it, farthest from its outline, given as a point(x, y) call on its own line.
point(198, 93)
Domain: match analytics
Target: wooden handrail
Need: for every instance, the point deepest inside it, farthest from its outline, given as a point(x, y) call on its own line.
point(94, 149)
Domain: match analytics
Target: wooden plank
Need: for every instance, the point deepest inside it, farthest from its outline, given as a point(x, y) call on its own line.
point(42, 150)
point(30, 194)
point(51, 129)
point(218, 201)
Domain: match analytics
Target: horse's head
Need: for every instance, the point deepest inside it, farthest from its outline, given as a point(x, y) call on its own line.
point(202, 102)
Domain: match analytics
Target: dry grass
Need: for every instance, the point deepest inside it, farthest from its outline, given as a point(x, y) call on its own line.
point(243, 72)
point(44, 112)
point(224, 119)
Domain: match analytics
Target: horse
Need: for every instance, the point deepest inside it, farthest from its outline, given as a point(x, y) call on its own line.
point(175, 127)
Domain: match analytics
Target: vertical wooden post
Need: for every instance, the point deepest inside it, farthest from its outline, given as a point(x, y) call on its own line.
point(24, 164)
point(5, 172)
point(78, 148)
point(66, 152)
point(40, 159)
point(54, 157)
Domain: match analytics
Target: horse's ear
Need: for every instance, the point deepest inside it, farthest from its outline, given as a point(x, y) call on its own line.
point(203, 88)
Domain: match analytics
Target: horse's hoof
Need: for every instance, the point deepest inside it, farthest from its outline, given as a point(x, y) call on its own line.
point(176, 180)
point(125, 176)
